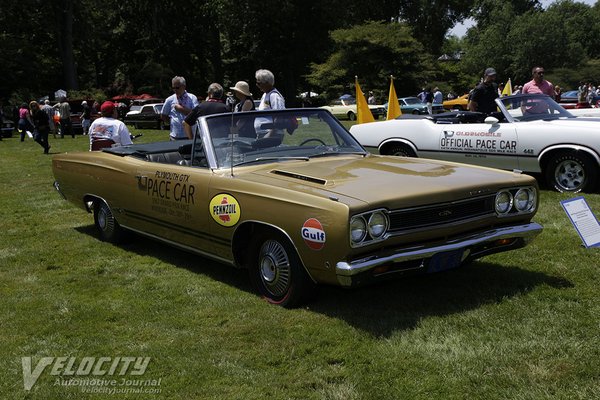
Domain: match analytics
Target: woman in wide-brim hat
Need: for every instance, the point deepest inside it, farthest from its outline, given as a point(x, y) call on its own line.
point(242, 93)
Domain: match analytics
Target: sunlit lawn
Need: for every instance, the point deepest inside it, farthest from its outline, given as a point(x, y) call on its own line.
point(520, 325)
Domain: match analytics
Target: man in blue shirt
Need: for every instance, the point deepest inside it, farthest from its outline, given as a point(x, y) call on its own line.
point(177, 107)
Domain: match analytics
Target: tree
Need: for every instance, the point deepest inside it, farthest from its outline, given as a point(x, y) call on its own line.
point(373, 51)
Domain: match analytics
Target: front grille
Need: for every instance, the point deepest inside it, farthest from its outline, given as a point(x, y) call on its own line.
point(440, 214)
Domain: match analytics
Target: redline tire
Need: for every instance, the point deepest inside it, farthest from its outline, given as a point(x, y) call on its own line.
point(277, 272)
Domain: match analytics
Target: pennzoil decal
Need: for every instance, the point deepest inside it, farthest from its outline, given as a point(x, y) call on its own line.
point(225, 209)
point(313, 234)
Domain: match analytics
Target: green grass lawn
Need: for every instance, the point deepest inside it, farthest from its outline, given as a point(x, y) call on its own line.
point(519, 325)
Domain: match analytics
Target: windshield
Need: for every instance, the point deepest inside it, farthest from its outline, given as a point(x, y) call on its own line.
point(271, 136)
point(533, 108)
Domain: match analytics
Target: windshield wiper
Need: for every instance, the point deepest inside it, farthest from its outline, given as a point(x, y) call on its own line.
point(261, 159)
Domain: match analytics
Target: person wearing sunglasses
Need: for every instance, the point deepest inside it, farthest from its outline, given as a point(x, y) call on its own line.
point(538, 84)
point(177, 107)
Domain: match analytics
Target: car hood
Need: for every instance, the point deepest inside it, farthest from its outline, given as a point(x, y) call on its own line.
point(387, 181)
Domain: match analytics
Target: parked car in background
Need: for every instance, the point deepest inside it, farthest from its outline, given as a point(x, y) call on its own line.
point(569, 99)
point(412, 105)
point(137, 104)
point(346, 109)
point(146, 116)
point(459, 103)
point(531, 133)
point(307, 205)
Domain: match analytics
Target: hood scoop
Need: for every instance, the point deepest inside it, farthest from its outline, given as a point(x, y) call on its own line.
point(304, 178)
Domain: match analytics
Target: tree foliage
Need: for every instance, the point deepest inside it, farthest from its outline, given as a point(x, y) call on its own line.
point(373, 52)
point(138, 46)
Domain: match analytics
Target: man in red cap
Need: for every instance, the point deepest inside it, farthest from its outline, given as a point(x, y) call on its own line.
point(108, 131)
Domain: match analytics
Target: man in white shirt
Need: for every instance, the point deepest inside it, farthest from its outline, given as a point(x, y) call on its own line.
point(108, 131)
point(177, 107)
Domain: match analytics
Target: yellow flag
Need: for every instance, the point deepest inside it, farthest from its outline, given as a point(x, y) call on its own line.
point(394, 110)
point(507, 91)
point(362, 108)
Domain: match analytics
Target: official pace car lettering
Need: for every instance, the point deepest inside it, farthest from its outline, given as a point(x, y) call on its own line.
point(171, 193)
point(483, 142)
point(225, 209)
point(313, 234)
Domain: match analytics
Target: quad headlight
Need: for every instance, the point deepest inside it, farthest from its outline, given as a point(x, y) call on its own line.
point(515, 201)
point(368, 227)
point(377, 225)
point(358, 229)
point(504, 202)
point(525, 199)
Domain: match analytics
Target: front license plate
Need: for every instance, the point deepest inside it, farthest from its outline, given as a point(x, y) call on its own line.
point(445, 261)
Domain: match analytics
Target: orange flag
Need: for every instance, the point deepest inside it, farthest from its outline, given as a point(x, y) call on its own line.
point(362, 107)
point(394, 110)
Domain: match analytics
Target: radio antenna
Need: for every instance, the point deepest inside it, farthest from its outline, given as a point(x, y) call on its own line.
point(231, 137)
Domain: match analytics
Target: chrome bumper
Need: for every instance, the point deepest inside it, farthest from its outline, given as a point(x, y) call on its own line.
point(57, 187)
point(346, 270)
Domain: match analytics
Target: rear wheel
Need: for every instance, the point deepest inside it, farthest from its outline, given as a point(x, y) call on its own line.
point(571, 171)
point(351, 116)
point(277, 272)
point(106, 224)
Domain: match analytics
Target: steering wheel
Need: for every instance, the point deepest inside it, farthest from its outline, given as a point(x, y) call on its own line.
point(313, 140)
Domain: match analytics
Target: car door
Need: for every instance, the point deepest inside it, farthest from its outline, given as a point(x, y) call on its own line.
point(172, 201)
point(487, 144)
point(147, 115)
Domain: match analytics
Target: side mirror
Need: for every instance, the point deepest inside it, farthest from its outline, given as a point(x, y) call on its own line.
point(491, 120)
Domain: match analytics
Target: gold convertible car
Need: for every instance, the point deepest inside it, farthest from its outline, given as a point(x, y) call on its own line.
point(292, 196)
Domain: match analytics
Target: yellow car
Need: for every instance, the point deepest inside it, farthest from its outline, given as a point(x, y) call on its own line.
point(294, 198)
point(457, 104)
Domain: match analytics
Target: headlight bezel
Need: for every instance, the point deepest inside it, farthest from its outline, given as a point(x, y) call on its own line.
point(376, 225)
point(515, 194)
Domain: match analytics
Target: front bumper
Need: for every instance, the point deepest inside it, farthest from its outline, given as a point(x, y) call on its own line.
point(416, 258)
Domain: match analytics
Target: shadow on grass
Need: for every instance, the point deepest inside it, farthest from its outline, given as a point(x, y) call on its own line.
point(400, 304)
point(181, 259)
point(383, 308)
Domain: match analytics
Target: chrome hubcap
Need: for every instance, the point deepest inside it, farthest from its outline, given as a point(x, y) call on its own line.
point(102, 219)
point(274, 268)
point(569, 175)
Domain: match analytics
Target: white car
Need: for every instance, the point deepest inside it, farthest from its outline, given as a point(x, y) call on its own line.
point(530, 133)
point(346, 109)
point(146, 116)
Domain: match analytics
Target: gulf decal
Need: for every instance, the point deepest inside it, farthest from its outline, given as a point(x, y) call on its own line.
point(313, 234)
point(225, 209)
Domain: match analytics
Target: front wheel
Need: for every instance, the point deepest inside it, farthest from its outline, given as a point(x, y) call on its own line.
point(400, 150)
point(106, 224)
point(277, 272)
point(572, 172)
point(351, 116)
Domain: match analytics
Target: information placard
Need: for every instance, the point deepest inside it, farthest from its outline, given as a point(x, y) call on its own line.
point(583, 220)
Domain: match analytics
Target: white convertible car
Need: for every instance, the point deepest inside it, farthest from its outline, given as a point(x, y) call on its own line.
point(530, 133)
